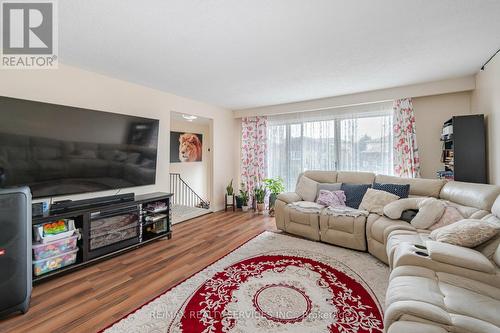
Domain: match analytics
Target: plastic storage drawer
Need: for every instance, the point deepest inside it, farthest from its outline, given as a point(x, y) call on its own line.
point(44, 266)
point(52, 249)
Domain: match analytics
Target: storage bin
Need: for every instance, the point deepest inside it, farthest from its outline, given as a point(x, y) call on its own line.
point(39, 235)
point(44, 266)
point(160, 226)
point(52, 249)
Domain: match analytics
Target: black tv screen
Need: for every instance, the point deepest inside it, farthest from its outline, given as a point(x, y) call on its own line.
point(60, 150)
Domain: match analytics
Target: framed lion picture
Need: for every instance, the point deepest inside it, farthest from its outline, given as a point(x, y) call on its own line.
point(185, 147)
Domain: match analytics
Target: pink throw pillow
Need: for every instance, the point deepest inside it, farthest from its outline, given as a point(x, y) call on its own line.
point(331, 198)
point(450, 216)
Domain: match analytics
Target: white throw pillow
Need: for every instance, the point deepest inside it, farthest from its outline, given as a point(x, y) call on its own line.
point(374, 201)
point(307, 188)
point(395, 209)
point(467, 233)
point(430, 211)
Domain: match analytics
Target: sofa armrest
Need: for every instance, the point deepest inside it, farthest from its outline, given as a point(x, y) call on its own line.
point(289, 197)
point(459, 256)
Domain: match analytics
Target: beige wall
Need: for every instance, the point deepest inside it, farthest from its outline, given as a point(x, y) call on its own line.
point(430, 114)
point(466, 83)
point(196, 174)
point(486, 100)
point(75, 87)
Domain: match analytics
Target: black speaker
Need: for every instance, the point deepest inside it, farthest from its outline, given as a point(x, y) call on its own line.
point(15, 250)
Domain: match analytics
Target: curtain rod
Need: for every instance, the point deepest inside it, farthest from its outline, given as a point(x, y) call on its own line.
point(493, 56)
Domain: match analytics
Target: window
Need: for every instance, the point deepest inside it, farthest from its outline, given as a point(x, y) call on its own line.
point(350, 139)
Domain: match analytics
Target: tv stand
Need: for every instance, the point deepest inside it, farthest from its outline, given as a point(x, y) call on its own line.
point(69, 205)
point(112, 226)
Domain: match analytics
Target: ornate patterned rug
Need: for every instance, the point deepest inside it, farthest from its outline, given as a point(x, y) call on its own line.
point(273, 283)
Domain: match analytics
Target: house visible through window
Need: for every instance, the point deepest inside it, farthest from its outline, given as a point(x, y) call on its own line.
point(350, 139)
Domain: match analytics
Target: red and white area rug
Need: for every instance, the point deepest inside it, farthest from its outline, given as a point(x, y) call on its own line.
point(273, 283)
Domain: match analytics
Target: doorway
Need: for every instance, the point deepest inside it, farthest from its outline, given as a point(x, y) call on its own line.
point(191, 165)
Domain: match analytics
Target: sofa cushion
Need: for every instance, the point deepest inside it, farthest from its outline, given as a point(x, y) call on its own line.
point(404, 326)
point(450, 300)
point(481, 196)
point(380, 227)
point(355, 177)
point(395, 209)
point(321, 176)
point(47, 153)
point(467, 233)
point(401, 190)
point(459, 256)
point(289, 197)
point(489, 247)
point(418, 186)
point(307, 188)
point(331, 198)
point(495, 209)
point(374, 201)
point(430, 210)
point(467, 211)
point(451, 215)
point(329, 186)
point(496, 256)
point(354, 193)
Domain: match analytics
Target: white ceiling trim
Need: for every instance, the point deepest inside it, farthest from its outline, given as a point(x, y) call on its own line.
point(466, 83)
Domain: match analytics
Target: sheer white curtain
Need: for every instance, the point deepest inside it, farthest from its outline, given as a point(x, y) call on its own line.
point(352, 138)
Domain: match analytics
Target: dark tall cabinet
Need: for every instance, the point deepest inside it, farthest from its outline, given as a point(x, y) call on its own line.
point(464, 149)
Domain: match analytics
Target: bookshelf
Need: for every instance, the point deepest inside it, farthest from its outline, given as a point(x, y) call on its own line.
point(463, 155)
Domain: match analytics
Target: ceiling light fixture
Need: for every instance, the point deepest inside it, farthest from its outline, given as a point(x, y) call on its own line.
point(189, 117)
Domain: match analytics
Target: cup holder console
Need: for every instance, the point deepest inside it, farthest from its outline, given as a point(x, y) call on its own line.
point(421, 247)
point(422, 254)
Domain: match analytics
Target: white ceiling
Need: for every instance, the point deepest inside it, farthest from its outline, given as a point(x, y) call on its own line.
point(248, 53)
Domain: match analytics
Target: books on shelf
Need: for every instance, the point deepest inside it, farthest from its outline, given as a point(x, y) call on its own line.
point(445, 174)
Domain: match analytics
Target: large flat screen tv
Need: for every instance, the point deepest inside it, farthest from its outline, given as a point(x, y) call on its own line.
point(59, 150)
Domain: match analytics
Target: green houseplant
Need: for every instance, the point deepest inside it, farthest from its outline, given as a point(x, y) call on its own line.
point(229, 188)
point(275, 187)
point(243, 197)
point(230, 192)
point(260, 195)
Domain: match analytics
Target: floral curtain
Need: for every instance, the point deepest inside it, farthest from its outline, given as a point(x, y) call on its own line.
point(406, 160)
point(253, 151)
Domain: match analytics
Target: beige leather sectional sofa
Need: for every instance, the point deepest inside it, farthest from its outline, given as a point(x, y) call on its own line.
point(434, 286)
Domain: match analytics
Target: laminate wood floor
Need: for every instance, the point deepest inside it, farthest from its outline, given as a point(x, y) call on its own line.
point(94, 297)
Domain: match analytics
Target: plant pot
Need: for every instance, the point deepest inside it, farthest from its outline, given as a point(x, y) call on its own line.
point(229, 199)
point(272, 200)
point(239, 202)
point(260, 207)
point(245, 208)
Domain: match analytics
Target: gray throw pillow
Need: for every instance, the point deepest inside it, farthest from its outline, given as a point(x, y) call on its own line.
point(328, 187)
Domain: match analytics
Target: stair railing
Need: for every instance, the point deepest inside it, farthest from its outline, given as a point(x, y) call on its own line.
point(184, 194)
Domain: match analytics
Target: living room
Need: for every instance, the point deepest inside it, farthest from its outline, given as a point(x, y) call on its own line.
point(343, 158)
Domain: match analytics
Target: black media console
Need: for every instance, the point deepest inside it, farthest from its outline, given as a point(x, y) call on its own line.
point(104, 229)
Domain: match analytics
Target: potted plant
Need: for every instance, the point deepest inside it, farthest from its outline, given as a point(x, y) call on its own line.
point(260, 195)
point(243, 197)
point(275, 187)
point(230, 192)
point(239, 202)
